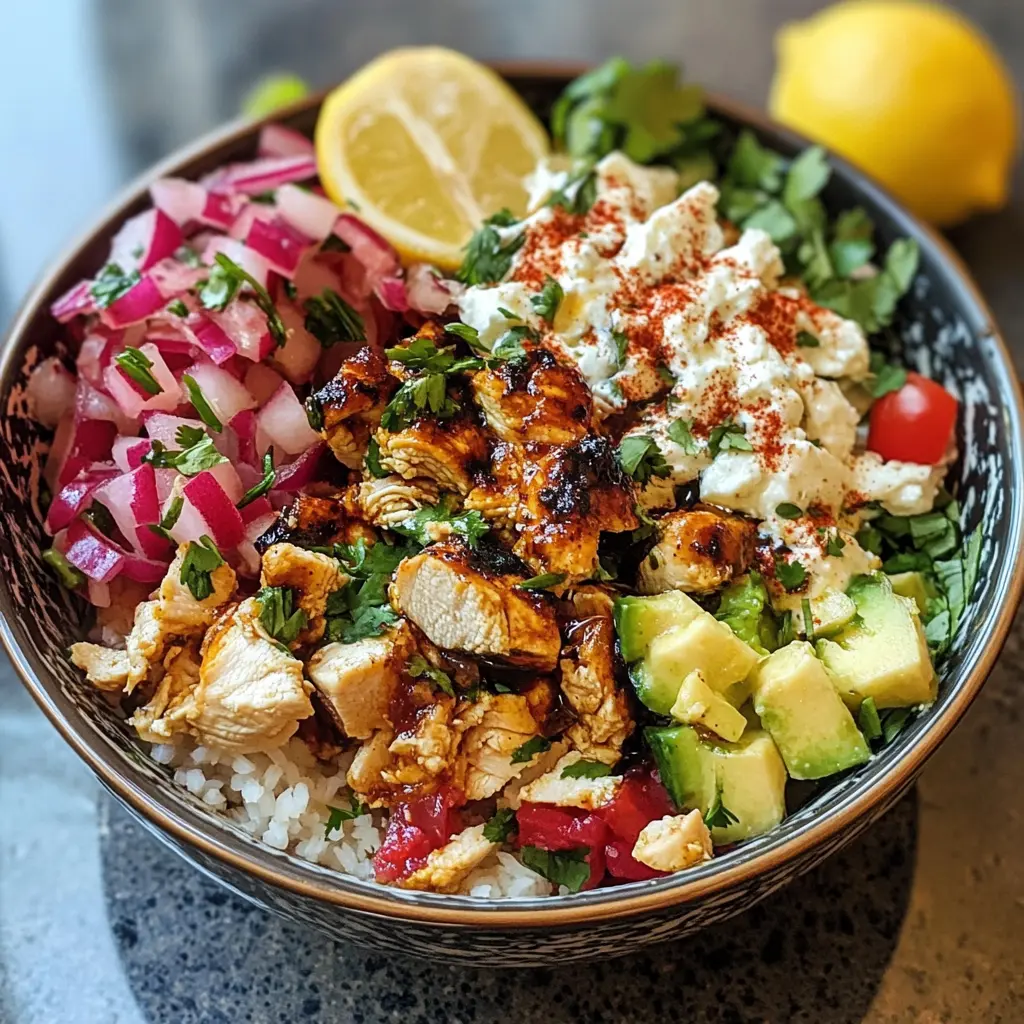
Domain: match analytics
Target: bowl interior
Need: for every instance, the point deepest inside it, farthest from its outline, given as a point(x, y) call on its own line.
point(943, 330)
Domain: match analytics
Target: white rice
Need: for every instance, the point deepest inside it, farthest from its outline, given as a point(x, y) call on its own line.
point(284, 798)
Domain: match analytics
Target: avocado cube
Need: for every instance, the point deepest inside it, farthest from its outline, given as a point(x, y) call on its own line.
point(638, 620)
point(831, 612)
point(883, 653)
point(697, 704)
point(748, 777)
point(805, 716)
point(914, 586)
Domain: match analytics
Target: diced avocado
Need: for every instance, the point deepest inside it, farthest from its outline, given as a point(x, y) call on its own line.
point(915, 586)
point(749, 777)
point(744, 608)
point(799, 706)
point(883, 653)
point(831, 612)
point(697, 704)
point(638, 620)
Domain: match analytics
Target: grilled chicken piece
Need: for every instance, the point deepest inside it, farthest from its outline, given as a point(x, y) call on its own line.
point(351, 404)
point(447, 868)
point(590, 600)
point(492, 729)
point(390, 500)
point(105, 668)
point(178, 611)
point(312, 521)
point(698, 550)
point(425, 748)
point(496, 497)
point(166, 714)
point(357, 681)
point(450, 452)
point(569, 496)
point(313, 578)
point(365, 773)
point(467, 601)
point(587, 794)
point(539, 765)
point(674, 842)
point(251, 694)
point(534, 399)
point(588, 684)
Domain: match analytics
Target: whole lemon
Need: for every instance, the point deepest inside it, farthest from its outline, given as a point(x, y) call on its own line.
point(910, 92)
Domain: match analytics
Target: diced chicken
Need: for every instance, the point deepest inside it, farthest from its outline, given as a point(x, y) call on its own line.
point(357, 681)
point(312, 576)
point(314, 521)
point(569, 496)
point(540, 764)
point(251, 694)
point(425, 751)
point(365, 773)
point(178, 611)
point(496, 497)
point(351, 404)
point(492, 729)
point(144, 644)
point(390, 500)
point(534, 399)
point(587, 794)
point(447, 867)
point(467, 601)
point(105, 668)
point(452, 452)
point(588, 684)
point(166, 714)
point(698, 550)
point(674, 842)
point(591, 600)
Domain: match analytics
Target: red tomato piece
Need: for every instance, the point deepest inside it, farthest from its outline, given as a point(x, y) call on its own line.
point(914, 424)
point(404, 849)
point(622, 864)
point(641, 799)
point(559, 828)
point(595, 858)
point(434, 814)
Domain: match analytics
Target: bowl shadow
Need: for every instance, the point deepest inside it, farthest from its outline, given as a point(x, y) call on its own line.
point(814, 952)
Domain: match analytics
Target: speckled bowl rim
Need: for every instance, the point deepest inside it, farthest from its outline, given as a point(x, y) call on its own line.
point(192, 827)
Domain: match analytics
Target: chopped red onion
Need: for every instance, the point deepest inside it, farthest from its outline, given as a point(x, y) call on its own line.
point(221, 209)
point(277, 140)
point(163, 427)
point(243, 426)
point(246, 325)
point(127, 395)
point(282, 421)
point(429, 293)
point(313, 215)
point(210, 337)
point(95, 354)
point(133, 502)
point(301, 472)
point(92, 553)
point(210, 499)
point(140, 301)
point(50, 391)
point(392, 294)
point(280, 244)
point(269, 173)
point(174, 278)
point(248, 215)
point(373, 251)
point(249, 260)
point(145, 570)
point(298, 356)
point(183, 201)
point(74, 497)
point(227, 397)
point(258, 508)
point(261, 382)
point(127, 452)
point(76, 301)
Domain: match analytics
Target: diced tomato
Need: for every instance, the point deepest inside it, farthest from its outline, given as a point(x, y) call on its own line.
point(404, 848)
point(558, 828)
point(435, 814)
point(640, 799)
point(595, 858)
point(622, 864)
point(914, 424)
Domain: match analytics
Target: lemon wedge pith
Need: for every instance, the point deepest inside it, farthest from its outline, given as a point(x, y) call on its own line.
point(426, 143)
point(911, 92)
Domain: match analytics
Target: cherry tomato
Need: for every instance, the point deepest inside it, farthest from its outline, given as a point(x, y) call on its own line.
point(914, 424)
point(405, 848)
point(641, 799)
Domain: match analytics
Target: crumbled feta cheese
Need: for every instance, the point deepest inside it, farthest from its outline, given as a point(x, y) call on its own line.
point(829, 418)
point(903, 488)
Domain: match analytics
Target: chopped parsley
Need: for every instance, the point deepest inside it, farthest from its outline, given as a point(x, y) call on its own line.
point(509, 347)
point(200, 404)
point(137, 365)
point(470, 335)
point(681, 431)
point(99, 515)
point(542, 582)
point(530, 749)
point(586, 770)
point(501, 826)
point(330, 319)
point(66, 573)
point(178, 308)
point(226, 279)
point(279, 616)
point(567, 867)
point(470, 525)
point(835, 544)
point(727, 436)
point(263, 485)
point(111, 283)
point(546, 302)
point(621, 341)
point(885, 377)
point(173, 513)
point(201, 558)
point(804, 339)
point(719, 816)
point(372, 460)
point(199, 455)
point(578, 194)
point(487, 258)
point(790, 574)
point(641, 458)
point(342, 814)
point(419, 667)
point(787, 510)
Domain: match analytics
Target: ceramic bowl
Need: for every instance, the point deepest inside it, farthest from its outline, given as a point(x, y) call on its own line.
point(945, 330)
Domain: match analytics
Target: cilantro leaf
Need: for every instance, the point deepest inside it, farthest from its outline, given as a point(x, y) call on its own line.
point(190, 461)
point(568, 867)
point(136, 365)
point(468, 334)
point(279, 616)
point(418, 667)
point(69, 577)
point(753, 166)
point(200, 404)
point(542, 582)
point(372, 460)
point(265, 484)
point(548, 299)
point(790, 574)
point(804, 339)
point(681, 431)
point(501, 826)
point(835, 545)
point(420, 525)
point(178, 308)
point(807, 176)
point(578, 194)
point(718, 815)
point(805, 607)
point(330, 319)
point(342, 814)
point(201, 558)
point(787, 510)
point(584, 769)
point(727, 436)
point(641, 458)
point(226, 279)
point(886, 376)
point(530, 749)
point(487, 257)
point(111, 283)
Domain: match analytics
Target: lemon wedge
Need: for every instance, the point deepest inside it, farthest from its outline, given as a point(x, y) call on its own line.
point(425, 144)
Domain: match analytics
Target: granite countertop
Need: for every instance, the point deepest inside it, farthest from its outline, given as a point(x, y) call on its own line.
point(919, 921)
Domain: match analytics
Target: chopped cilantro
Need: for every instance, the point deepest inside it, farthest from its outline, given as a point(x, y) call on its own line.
point(719, 816)
point(178, 308)
point(372, 460)
point(201, 558)
point(568, 867)
point(804, 339)
point(501, 825)
point(546, 302)
point(111, 283)
point(487, 258)
point(428, 390)
point(805, 607)
point(342, 814)
point(226, 279)
point(187, 255)
point(137, 365)
point(621, 342)
point(586, 770)
point(530, 749)
point(542, 582)
point(200, 404)
point(835, 545)
point(681, 431)
point(330, 319)
point(419, 667)
point(894, 721)
point(790, 574)
point(787, 510)
point(66, 573)
point(261, 487)
point(641, 458)
point(886, 376)
point(727, 436)
point(279, 616)
point(470, 525)
point(192, 460)
point(99, 515)
point(578, 194)
point(468, 334)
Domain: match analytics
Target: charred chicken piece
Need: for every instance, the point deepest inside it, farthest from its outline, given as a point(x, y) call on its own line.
point(467, 601)
point(698, 550)
point(389, 500)
point(349, 406)
point(534, 399)
point(312, 521)
point(451, 452)
point(313, 578)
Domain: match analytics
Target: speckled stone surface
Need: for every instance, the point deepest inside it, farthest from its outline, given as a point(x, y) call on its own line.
point(920, 922)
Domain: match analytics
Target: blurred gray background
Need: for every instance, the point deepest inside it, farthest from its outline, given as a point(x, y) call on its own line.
point(918, 922)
